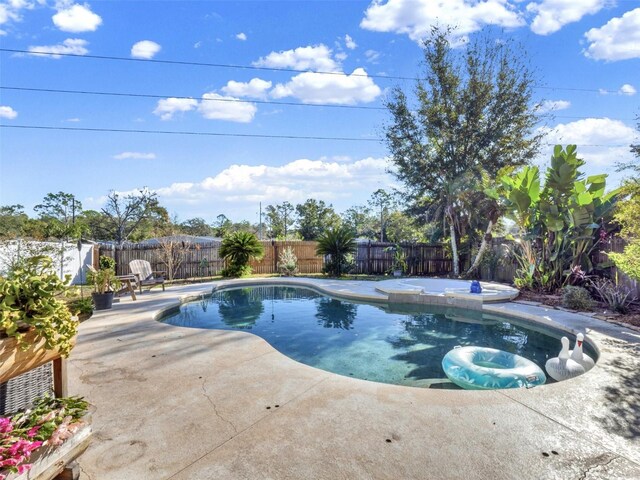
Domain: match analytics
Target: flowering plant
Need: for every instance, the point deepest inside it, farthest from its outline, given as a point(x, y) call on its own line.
point(50, 422)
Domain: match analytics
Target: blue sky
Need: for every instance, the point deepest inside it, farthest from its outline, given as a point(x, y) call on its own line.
point(591, 45)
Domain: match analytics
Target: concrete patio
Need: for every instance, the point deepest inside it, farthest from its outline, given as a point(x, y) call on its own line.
point(179, 403)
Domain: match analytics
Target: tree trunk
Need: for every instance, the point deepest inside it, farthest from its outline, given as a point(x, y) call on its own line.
point(483, 248)
point(454, 247)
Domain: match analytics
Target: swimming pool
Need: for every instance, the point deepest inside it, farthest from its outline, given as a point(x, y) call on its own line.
point(398, 344)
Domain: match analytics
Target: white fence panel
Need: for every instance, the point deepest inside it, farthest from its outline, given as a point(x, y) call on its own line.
point(67, 259)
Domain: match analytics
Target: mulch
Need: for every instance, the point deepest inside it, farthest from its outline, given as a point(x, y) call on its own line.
point(632, 317)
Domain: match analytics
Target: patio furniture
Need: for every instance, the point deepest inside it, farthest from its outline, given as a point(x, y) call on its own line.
point(146, 277)
point(129, 284)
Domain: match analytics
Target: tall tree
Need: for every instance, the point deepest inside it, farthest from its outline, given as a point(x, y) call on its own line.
point(360, 220)
point(59, 211)
point(13, 221)
point(474, 117)
point(124, 214)
point(280, 220)
point(196, 226)
point(221, 226)
point(381, 202)
point(314, 217)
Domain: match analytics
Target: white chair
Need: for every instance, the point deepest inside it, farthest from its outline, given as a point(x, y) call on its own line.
point(145, 276)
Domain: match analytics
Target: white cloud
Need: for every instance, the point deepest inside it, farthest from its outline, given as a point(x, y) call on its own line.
point(416, 17)
point(213, 106)
point(135, 156)
point(219, 107)
point(372, 56)
point(350, 42)
point(73, 120)
point(10, 11)
point(167, 107)
point(618, 39)
point(241, 36)
point(341, 56)
point(295, 181)
point(7, 112)
point(627, 89)
point(552, 15)
point(71, 46)
point(316, 57)
point(76, 18)
point(145, 49)
point(602, 142)
point(343, 89)
point(255, 88)
point(554, 105)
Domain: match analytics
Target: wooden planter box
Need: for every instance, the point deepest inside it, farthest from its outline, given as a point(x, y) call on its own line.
point(48, 462)
point(14, 361)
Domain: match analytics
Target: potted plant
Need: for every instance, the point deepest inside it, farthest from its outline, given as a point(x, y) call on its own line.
point(105, 283)
point(35, 323)
point(399, 264)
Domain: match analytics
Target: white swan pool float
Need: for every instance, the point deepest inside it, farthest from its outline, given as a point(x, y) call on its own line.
point(578, 356)
point(563, 367)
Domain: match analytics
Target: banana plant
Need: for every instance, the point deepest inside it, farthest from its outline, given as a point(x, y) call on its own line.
point(559, 219)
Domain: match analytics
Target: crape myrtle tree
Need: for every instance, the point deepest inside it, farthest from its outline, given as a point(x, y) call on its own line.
point(124, 214)
point(474, 117)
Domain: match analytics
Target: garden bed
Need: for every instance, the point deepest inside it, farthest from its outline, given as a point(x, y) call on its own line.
point(632, 317)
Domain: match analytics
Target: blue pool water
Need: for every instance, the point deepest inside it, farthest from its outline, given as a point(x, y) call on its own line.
point(399, 344)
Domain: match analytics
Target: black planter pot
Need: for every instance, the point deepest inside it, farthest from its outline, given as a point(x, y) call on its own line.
point(102, 301)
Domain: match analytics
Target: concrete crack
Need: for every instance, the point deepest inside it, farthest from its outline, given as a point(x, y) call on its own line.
point(84, 471)
point(215, 409)
point(597, 465)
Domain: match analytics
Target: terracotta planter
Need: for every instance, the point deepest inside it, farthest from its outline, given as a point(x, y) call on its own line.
point(15, 361)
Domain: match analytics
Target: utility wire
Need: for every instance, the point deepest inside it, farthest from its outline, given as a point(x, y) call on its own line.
point(220, 134)
point(230, 100)
point(205, 134)
point(259, 68)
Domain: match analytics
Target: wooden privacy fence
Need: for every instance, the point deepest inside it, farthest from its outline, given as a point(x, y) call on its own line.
point(376, 258)
point(193, 260)
point(188, 260)
point(305, 252)
point(617, 244)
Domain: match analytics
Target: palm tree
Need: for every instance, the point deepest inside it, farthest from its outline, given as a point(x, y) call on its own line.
point(337, 243)
point(238, 249)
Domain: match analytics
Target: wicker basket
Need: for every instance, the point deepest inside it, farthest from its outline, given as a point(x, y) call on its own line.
point(21, 391)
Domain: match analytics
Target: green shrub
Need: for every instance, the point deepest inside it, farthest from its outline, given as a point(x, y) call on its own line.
point(629, 260)
point(81, 306)
point(107, 262)
point(288, 262)
point(29, 300)
point(617, 297)
point(238, 249)
point(338, 244)
point(576, 298)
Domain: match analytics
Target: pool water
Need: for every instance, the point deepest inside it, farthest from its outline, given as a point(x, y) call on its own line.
point(399, 344)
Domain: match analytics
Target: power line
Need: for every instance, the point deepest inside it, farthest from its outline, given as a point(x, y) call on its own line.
point(229, 100)
point(241, 135)
point(143, 95)
point(205, 134)
point(259, 68)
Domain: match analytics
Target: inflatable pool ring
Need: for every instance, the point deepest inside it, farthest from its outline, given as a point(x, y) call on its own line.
point(480, 368)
